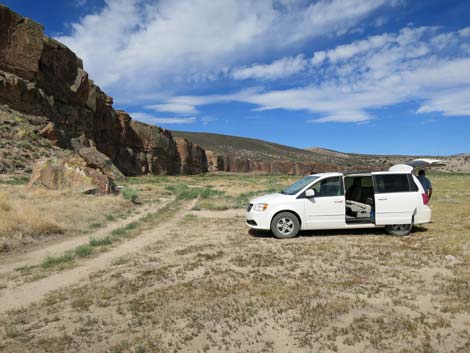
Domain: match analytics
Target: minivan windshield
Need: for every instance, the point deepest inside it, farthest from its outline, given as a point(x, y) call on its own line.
point(299, 185)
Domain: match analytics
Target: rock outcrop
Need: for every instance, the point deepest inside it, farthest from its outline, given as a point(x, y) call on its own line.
point(40, 76)
point(71, 173)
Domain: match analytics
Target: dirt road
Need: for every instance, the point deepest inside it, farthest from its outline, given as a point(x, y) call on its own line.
point(34, 291)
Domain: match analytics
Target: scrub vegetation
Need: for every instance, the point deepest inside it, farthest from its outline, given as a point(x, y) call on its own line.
point(192, 278)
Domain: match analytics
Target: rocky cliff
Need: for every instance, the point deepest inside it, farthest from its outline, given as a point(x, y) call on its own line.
point(40, 76)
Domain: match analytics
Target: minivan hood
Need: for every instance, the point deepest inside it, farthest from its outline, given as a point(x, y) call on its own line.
point(271, 198)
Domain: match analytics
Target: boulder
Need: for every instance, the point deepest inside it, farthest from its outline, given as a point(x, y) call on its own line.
point(96, 159)
point(69, 174)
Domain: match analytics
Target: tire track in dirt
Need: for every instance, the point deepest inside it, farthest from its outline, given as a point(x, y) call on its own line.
point(35, 257)
point(35, 291)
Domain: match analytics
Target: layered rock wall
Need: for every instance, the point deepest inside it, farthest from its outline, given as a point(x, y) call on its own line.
point(41, 76)
point(228, 163)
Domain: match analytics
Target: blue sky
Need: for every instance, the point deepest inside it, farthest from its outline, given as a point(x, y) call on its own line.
point(367, 76)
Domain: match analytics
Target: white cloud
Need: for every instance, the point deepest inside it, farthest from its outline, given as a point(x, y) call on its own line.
point(370, 74)
point(277, 69)
point(173, 108)
point(150, 119)
point(139, 45)
point(452, 103)
point(343, 117)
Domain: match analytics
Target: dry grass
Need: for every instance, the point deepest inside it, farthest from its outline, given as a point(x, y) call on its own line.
point(209, 286)
point(20, 221)
point(28, 216)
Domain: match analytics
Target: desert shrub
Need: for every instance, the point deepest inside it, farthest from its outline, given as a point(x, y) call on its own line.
point(130, 194)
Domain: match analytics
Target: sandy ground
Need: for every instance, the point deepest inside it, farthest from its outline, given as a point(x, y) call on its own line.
point(199, 281)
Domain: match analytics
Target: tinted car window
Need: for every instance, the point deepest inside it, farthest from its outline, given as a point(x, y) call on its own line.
point(392, 183)
point(328, 187)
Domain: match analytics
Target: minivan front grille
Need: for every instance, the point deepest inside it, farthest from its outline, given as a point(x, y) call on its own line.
point(248, 209)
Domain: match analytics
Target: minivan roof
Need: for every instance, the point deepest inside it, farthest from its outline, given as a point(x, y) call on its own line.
point(321, 175)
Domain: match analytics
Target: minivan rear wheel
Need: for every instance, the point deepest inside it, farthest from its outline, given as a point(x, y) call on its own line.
point(285, 225)
point(399, 229)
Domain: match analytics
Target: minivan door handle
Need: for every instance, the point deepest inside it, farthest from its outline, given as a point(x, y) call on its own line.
point(382, 199)
point(339, 201)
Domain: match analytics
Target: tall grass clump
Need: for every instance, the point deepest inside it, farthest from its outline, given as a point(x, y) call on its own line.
point(130, 194)
point(19, 221)
point(51, 261)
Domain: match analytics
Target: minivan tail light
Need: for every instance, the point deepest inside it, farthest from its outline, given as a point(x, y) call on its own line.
point(425, 198)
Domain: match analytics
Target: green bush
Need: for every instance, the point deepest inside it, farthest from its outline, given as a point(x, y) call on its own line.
point(130, 194)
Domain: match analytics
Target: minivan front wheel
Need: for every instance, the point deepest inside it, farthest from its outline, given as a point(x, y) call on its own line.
point(399, 229)
point(285, 225)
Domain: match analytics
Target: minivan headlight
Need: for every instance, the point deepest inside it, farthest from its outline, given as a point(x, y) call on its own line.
point(260, 207)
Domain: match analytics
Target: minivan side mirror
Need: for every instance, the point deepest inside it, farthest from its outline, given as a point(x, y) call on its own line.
point(310, 194)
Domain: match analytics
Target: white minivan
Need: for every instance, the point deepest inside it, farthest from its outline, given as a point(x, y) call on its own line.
point(394, 199)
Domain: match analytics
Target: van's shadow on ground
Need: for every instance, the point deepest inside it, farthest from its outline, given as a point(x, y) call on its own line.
point(337, 233)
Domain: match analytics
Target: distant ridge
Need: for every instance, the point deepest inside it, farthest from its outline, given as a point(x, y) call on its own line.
point(250, 148)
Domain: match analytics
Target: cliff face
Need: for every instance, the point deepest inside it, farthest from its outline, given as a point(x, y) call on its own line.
point(228, 163)
point(41, 76)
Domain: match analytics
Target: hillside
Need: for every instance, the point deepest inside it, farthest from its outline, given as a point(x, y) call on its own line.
point(244, 147)
point(254, 149)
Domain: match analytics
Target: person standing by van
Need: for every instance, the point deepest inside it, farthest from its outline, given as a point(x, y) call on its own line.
point(425, 182)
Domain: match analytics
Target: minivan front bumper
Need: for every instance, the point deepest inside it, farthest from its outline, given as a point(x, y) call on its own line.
point(258, 220)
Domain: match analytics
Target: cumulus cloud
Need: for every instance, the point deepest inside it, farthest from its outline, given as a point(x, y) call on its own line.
point(366, 75)
point(136, 45)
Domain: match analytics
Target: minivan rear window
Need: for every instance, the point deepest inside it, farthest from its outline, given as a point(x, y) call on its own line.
point(388, 183)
